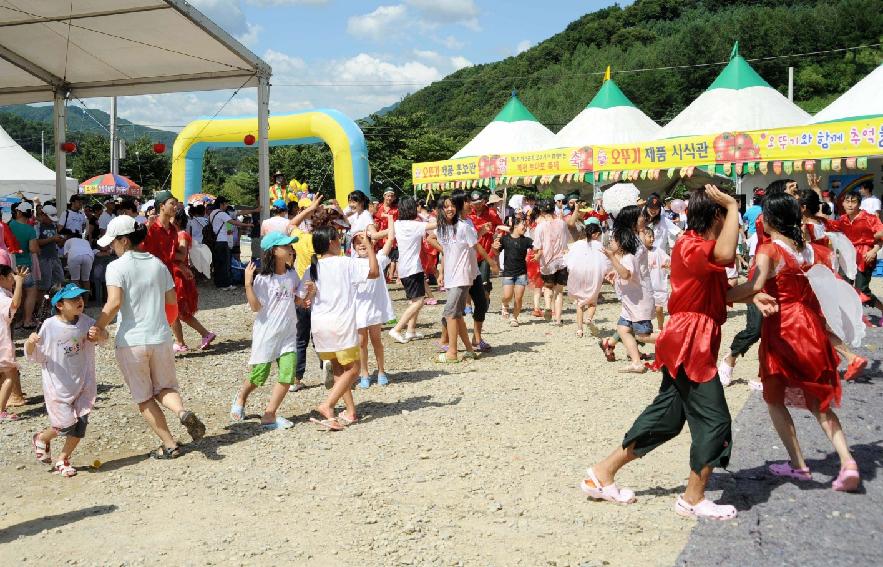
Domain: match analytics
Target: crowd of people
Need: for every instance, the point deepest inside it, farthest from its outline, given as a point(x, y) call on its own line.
point(320, 272)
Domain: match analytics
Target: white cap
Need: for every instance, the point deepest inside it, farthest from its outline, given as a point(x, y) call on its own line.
point(559, 197)
point(23, 206)
point(51, 212)
point(119, 226)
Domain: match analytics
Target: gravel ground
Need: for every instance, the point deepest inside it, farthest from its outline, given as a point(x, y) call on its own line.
point(473, 464)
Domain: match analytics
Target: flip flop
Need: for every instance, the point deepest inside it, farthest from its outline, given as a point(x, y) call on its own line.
point(280, 423)
point(344, 420)
point(785, 470)
point(848, 480)
point(705, 509)
point(632, 369)
point(442, 358)
point(237, 412)
point(327, 424)
point(610, 493)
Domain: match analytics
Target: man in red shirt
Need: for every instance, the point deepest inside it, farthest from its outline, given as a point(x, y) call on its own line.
point(865, 231)
point(389, 206)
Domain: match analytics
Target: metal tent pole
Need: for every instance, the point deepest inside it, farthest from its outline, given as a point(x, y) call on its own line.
point(114, 141)
point(263, 145)
point(60, 127)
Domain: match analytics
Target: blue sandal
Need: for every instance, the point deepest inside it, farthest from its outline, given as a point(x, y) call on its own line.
point(237, 412)
point(280, 423)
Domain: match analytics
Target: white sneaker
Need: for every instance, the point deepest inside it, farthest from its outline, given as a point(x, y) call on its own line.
point(397, 336)
point(415, 336)
point(725, 372)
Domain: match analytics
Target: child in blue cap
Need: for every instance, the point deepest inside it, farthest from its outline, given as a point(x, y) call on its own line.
point(62, 347)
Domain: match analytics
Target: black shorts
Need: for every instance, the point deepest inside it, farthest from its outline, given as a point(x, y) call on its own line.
point(414, 285)
point(77, 430)
point(484, 268)
point(394, 255)
point(558, 278)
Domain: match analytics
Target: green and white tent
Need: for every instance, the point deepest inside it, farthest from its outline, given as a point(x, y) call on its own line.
point(865, 98)
point(610, 118)
point(738, 100)
point(513, 130)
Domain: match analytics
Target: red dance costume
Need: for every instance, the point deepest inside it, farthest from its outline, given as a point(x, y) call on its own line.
point(185, 283)
point(860, 231)
point(797, 361)
point(698, 307)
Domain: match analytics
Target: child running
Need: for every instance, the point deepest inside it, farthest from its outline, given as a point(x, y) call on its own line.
point(373, 305)
point(632, 282)
point(410, 233)
point(67, 355)
point(659, 263)
point(586, 268)
point(274, 294)
point(11, 287)
point(515, 246)
point(550, 243)
point(798, 365)
point(687, 355)
point(334, 321)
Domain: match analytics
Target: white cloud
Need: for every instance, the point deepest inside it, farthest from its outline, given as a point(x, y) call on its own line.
point(283, 63)
point(379, 24)
point(264, 3)
point(250, 37)
point(226, 13)
point(463, 12)
point(367, 68)
point(452, 42)
point(523, 46)
point(460, 62)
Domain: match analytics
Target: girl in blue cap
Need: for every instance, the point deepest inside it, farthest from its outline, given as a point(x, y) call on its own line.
point(273, 294)
point(67, 355)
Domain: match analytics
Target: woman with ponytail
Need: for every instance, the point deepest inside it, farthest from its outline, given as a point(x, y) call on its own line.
point(798, 365)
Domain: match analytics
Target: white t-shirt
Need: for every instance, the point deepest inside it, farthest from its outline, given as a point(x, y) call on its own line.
point(73, 220)
point(871, 204)
point(409, 238)
point(68, 361)
point(144, 281)
point(461, 259)
point(635, 293)
point(105, 219)
point(275, 325)
point(274, 224)
point(222, 227)
point(333, 318)
point(194, 228)
point(359, 222)
point(373, 305)
point(77, 247)
point(657, 260)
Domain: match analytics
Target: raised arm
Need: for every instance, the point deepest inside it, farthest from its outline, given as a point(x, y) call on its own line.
point(725, 246)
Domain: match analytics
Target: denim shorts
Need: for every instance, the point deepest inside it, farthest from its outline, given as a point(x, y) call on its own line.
point(639, 327)
point(517, 280)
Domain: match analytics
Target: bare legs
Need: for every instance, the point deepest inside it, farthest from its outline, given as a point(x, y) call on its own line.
point(828, 421)
point(193, 323)
point(371, 333)
point(70, 442)
point(515, 292)
point(30, 302)
point(344, 378)
point(409, 316)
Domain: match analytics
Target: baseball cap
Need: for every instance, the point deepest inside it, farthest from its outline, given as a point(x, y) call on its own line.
point(51, 212)
point(592, 220)
point(494, 198)
point(279, 204)
point(389, 190)
point(24, 207)
point(759, 192)
point(69, 291)
point(119, 226)
point(559, 197)
point(276, 239)
point(160, 197)
point(475, 196)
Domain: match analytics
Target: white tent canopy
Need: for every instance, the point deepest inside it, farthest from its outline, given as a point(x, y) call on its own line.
point(863, 99)
point(610, 118)
point(53, 50)
point(20, 172)
point(738, 100)
point(513, 130)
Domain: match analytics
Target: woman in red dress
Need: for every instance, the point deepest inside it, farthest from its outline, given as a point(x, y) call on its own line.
point(798, 365)
point(185, 283)
point(686, 352)
point(534, 277)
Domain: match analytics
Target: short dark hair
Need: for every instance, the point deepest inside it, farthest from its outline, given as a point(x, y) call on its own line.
point(322, 238)
point(127, 204)
point(702, 211)
point(5, 270)
point(407, 209)
point(851, 195)
point(592, 230)
point(782, 214)
point(810, 199)
point(546, 206)
point(359, 198)
point(778, 186)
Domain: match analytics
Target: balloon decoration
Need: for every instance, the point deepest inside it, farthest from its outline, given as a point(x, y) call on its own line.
point(159, 148)
point(679, 206)
point(68, 147)
point(249, 140)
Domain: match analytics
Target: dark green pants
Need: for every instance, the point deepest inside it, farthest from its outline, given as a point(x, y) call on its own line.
point(750, 334)
point(863, 283)
point(703, 406)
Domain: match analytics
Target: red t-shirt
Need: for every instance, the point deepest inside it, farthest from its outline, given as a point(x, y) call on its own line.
point(489, 216)
point(380, 222)
point(698, 307)
point(860, 231)
point(161, 242)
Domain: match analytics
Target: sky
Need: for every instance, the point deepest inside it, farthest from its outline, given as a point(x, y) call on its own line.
point(319, 49)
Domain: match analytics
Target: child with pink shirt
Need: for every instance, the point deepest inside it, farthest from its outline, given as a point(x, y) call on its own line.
point(11, 286)
point(62, 347)
point(586, 268)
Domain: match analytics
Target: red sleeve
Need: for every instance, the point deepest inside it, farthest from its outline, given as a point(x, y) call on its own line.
point(876, 224)
point(698, 256)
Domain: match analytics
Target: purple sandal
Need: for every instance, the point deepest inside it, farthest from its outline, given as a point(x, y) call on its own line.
point(785, 470)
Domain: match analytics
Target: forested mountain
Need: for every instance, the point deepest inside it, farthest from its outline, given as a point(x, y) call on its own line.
point(689, 39)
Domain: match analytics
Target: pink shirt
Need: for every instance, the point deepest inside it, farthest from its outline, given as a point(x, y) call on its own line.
point(5, 258)
point(7, 348)
point(635, 293)
point(551, 237)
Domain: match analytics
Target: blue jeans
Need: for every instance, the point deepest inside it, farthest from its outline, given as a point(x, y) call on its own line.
point(639, 327)
point(517, 280)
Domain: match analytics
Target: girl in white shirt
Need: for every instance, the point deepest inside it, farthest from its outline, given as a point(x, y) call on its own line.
point(80, 257)
point(360, 220)
point(333, 321)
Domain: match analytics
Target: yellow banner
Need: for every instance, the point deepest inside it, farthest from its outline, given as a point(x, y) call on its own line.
point(529, 164)
point(856, 138)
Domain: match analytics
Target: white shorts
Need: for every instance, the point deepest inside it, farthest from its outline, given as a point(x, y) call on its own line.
point(80, 267)
point(147, 369)
point(660, 298)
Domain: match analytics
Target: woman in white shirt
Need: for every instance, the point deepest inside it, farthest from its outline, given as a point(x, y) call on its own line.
point(359, 219)
point(80, 257)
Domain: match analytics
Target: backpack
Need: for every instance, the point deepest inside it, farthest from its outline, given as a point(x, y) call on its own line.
point(209, 235)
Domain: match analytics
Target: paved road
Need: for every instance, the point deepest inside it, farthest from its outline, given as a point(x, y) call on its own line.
point(782, 523)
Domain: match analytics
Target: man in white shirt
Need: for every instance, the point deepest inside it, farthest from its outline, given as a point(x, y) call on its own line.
point(223, 225)
point(870, 203)
point(73, 218)
point(107, 215)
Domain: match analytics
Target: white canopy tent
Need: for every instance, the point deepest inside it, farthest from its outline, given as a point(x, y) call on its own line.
point(738, 100)
point(51, 50)
point(513, 130)
point(863, 99)
point(610, 118)
point(20, 172)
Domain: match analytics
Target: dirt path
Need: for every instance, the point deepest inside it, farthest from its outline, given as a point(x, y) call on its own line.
point(473, 464)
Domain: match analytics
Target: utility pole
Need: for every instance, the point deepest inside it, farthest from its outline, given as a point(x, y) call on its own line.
point(114, 142)
point(42, 147)
point(791, 84)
